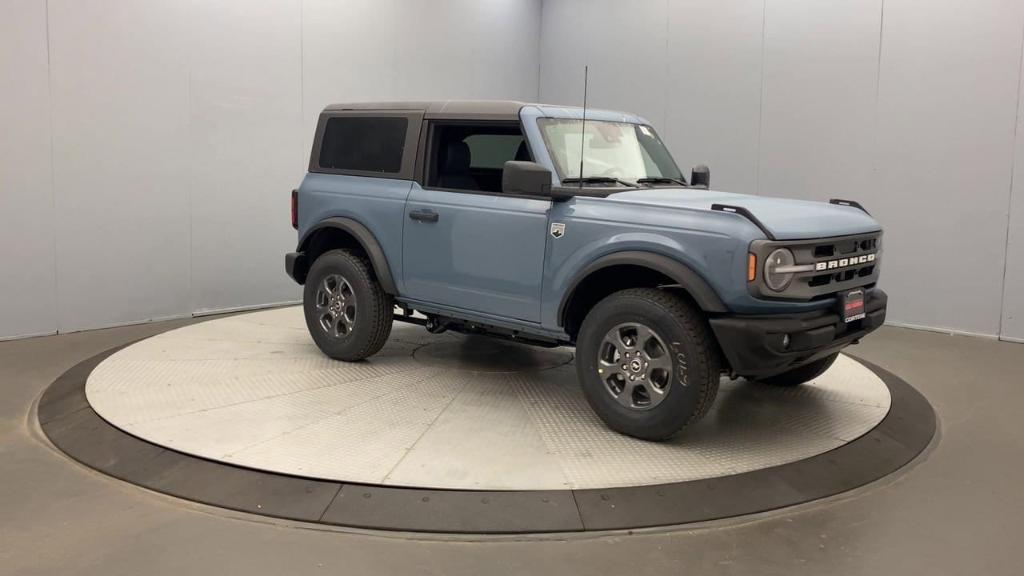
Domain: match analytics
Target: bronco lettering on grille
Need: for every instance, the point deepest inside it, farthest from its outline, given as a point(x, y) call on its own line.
point(844, 262)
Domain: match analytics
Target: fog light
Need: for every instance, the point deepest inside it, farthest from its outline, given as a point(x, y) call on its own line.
point(785, 341)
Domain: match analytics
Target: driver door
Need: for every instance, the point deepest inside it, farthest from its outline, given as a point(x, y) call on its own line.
point(465, 244)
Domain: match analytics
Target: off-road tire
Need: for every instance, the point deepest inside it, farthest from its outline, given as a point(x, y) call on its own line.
point(695, 360)
point(805, 373)
point(373, 308)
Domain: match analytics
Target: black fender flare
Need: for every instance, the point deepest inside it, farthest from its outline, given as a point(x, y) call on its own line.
point(366, 239)
point(693, 283)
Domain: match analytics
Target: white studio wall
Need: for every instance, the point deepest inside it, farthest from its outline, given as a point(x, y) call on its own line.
point(119, 89)
point(704, 79)
point(909, 106)
point(817, 136)
point(946, 118)
point(245, 146)
point(27, 285)
point(148, 148)
point(422, 51)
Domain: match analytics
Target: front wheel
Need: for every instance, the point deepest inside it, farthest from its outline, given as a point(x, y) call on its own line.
point(347, 312)
point(647, 362)
point(805, 373)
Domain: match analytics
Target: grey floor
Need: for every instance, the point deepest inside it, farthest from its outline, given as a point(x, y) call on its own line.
point(958, 510)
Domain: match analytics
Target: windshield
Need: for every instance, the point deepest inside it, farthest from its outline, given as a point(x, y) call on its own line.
point(618, 150)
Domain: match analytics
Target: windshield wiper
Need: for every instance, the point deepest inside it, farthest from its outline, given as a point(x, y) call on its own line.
point(598, 180)
point(661, 180)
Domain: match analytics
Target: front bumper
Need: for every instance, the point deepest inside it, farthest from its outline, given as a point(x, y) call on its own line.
point(753, 345)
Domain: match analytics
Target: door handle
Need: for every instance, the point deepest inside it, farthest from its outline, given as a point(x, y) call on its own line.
point(424, 215)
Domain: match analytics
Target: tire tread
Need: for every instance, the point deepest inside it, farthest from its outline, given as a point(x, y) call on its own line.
point(694, 323)
point(708, 359)
point(381, 303)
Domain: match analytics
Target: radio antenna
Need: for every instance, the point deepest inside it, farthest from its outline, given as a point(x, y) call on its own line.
point(583, 124)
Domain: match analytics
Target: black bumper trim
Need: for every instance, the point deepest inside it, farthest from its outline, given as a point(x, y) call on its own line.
point(297, 266)
point(753, 345)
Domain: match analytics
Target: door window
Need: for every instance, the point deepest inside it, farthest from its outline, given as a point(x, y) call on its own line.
point(472, 157)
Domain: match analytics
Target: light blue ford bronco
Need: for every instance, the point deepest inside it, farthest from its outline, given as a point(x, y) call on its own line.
point(556, 226)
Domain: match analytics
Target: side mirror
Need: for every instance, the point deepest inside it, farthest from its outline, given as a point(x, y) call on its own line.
point(700, 177)
point(527, 178)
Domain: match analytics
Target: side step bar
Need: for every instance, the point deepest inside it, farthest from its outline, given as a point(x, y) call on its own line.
point(438, 324)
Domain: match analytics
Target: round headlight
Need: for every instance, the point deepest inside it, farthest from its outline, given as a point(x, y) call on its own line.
point(780, 258)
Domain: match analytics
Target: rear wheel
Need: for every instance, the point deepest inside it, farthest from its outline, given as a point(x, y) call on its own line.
point(347, 312)
point(805, 373)
point(647, 362)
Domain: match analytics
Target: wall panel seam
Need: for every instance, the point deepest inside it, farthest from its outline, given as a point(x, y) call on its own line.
point(53, 176)
point(668, 57)
point(192, 296)
point(875, 163)
point(539, 46)
point(1009, 200)
point(760, 97)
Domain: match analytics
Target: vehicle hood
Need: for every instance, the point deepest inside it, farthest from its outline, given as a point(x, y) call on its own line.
point(786, 219)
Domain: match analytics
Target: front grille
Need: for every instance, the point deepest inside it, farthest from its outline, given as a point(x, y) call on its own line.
point(846, 246)
point(832, 265)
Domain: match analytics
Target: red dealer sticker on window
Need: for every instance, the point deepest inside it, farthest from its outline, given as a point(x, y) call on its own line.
point(852, 303)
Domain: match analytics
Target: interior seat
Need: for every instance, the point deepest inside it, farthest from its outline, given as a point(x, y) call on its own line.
point(455, 164)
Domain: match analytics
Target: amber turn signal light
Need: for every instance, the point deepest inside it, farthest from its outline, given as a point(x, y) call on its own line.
point(751, 267)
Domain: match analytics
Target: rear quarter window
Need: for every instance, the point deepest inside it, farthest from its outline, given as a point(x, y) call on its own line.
point(364, 144)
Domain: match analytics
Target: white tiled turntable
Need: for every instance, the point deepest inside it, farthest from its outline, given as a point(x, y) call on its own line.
point(444, 411)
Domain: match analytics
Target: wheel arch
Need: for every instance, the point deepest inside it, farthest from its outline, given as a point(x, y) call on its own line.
point(340, 232)
point(631, 269)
